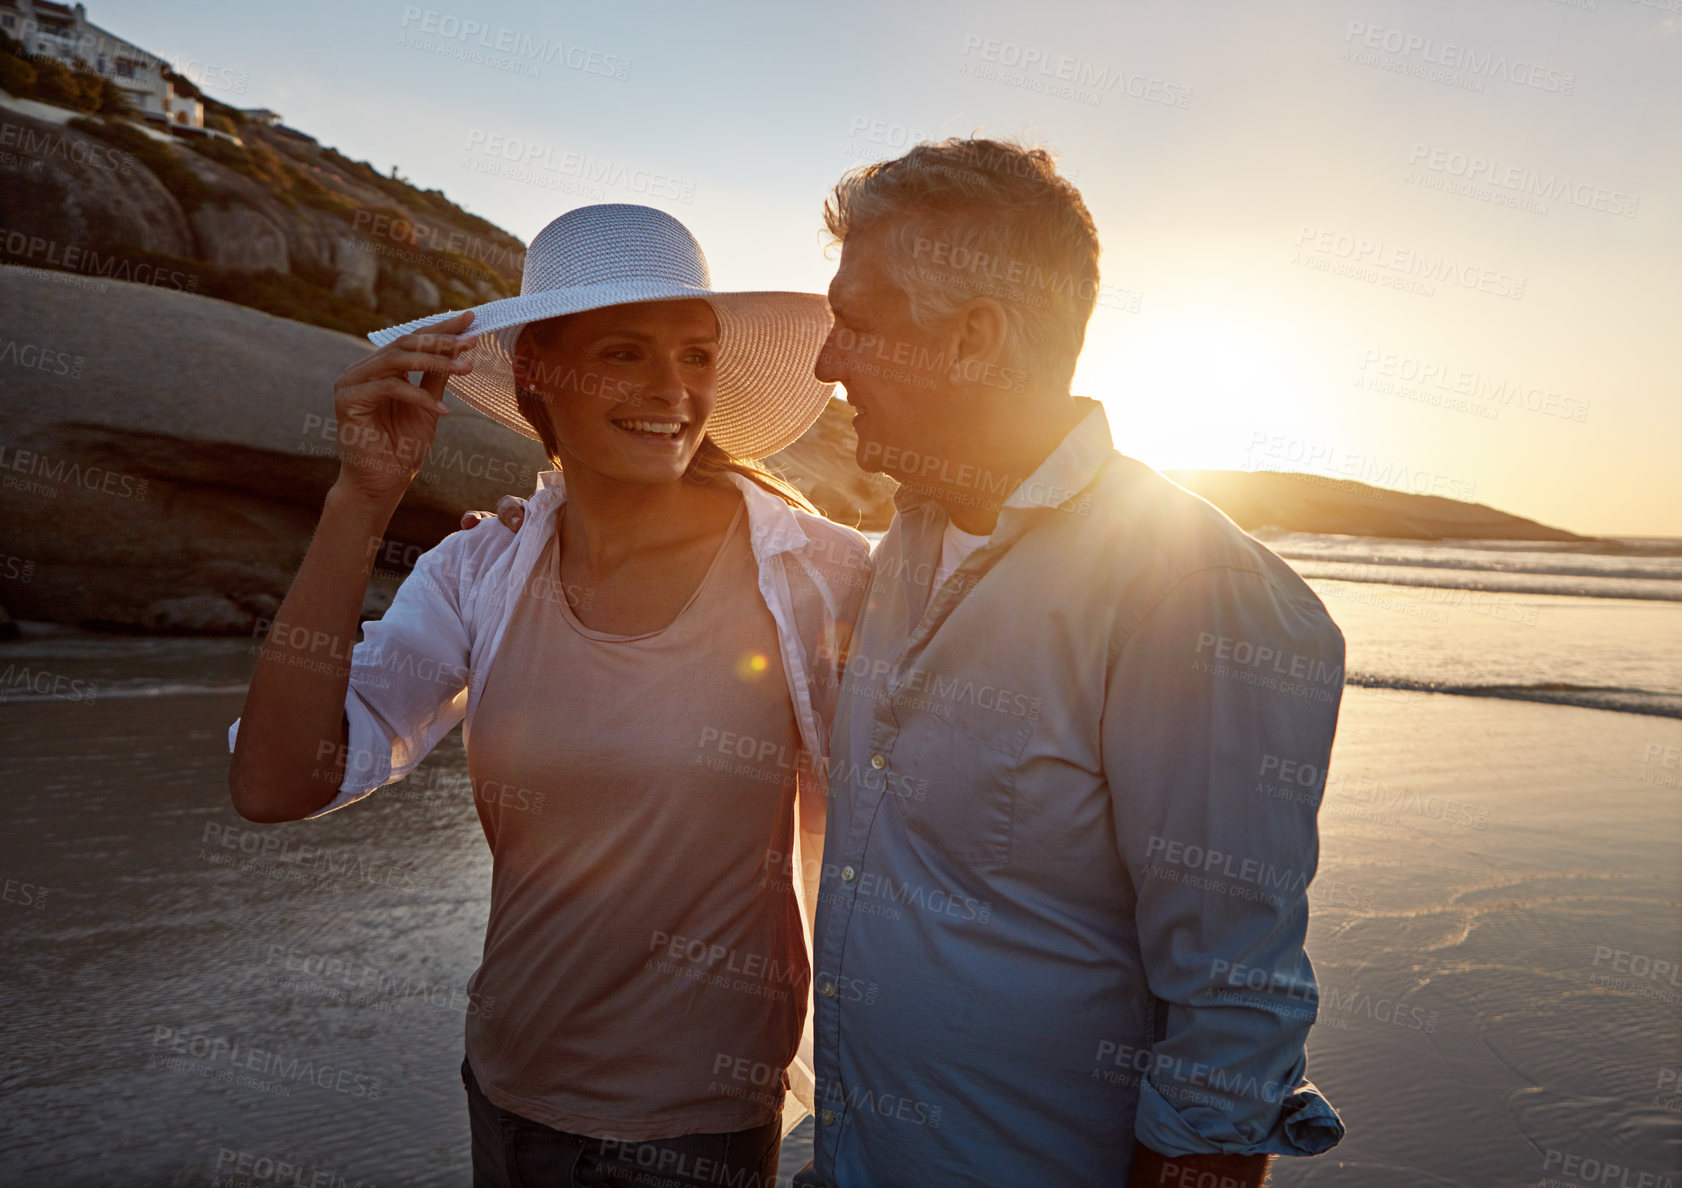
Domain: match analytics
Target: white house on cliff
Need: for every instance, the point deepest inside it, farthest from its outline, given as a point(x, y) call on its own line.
point(63, 32)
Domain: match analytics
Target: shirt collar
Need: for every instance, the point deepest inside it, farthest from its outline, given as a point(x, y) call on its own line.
point(1069, 468)
point(772, 525)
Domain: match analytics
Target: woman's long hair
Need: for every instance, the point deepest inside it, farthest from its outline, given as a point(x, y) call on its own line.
point(708, 467)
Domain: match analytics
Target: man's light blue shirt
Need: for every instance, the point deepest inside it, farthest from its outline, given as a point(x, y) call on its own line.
point(1062, 905)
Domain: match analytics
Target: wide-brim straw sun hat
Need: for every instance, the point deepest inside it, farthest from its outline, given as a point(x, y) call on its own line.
point(619, 254)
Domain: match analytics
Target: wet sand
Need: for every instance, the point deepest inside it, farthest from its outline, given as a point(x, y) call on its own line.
point(1496, 937)
point(1498, 886)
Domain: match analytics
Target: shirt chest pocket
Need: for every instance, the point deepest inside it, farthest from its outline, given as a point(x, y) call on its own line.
point(959, 746)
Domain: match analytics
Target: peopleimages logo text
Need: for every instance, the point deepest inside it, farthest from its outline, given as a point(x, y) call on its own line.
point(1491, 170)
point(1292, 664)
point(1451, 56)
point(39, 252)
point(516, 44)
point(217, 1049)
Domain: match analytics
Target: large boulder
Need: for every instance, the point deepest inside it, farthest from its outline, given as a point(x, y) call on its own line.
point(164, 456)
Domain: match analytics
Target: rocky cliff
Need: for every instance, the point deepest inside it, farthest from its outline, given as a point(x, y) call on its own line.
point(276, 222)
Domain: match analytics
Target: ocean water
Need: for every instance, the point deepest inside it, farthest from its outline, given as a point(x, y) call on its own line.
point(1592, 623)
point(1596, 625)
point(1536, 687)
point(1616, 567)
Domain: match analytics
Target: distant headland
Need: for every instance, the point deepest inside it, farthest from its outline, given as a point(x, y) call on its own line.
point(1264, 499)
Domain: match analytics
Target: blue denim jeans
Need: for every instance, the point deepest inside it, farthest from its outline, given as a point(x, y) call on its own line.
point(510, 1151)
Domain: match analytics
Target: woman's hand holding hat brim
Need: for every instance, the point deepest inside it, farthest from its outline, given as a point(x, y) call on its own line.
point(385, 422)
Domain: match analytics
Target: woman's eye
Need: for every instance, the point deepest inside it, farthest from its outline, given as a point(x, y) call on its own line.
point(699, 358)
point(622, 354)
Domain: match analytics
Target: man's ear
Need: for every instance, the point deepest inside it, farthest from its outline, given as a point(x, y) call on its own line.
point(983, 329)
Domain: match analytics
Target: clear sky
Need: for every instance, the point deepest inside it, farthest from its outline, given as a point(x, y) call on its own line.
point(1337, 237)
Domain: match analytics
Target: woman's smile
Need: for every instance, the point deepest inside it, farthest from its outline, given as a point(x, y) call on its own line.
point(654, 429)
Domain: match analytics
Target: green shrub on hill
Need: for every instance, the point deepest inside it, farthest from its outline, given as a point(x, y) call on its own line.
point(184, 185)
point(113, 100)
point(17, 76)
point(47, 80)
point(254, 159)
point(55, 84)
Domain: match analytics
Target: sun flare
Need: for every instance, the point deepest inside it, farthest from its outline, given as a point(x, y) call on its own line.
point(1186, 389)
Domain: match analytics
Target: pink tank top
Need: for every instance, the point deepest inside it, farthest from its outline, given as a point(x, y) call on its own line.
point(643, 974)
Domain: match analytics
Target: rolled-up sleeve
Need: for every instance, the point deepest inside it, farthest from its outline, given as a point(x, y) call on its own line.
point(1232, 676)
point(409, 677)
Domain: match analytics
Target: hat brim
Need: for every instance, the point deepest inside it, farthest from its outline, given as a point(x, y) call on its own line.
point(768, 343)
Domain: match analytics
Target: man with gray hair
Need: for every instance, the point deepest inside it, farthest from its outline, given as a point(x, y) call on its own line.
point(1060, 931)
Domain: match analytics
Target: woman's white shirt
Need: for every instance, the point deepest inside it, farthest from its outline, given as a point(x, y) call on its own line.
point(420, 668)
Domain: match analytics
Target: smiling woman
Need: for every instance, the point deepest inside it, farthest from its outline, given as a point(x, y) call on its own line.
point(667, 596)
point(629, 387)
point(594, 384)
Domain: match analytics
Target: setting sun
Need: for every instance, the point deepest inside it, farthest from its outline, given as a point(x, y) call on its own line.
point(1186, 387)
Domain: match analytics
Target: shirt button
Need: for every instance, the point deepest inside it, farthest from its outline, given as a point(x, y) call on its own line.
point(827, 989)
point(878, 762)
point(848, 874)
point(828, 1117)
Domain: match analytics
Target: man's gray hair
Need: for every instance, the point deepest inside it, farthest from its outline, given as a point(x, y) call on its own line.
point(968, 218)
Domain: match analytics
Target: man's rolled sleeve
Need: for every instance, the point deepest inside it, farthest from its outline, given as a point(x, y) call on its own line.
point(1231, 676)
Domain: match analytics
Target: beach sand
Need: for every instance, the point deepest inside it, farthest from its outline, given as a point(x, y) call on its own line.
point(1497, 887)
